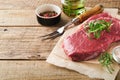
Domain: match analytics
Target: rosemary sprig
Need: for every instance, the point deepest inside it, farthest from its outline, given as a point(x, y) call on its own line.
point(106, 60)
point(97, 26)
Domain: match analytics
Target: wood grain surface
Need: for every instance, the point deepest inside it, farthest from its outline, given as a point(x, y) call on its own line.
point(22, 53)
point(24, 42)
point(36, 70)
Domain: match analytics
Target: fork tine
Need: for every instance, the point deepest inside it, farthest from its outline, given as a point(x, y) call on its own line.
point(50, 34)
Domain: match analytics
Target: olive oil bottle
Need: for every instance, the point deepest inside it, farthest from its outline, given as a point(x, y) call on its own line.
point(73, 7)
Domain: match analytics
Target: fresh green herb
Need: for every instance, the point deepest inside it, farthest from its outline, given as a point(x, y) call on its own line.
point(97, 26)
point(107, 60)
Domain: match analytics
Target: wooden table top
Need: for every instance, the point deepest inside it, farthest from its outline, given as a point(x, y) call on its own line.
point(22, 53)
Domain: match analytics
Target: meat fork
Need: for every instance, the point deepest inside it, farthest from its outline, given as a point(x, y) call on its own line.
point(75, 21)
point(59, 31)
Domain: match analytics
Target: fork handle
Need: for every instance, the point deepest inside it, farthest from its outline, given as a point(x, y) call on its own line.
point(79, 19)
point(95, 10)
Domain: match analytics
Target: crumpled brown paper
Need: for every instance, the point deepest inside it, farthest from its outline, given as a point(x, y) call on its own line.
point(58, 57)
point(90, 69)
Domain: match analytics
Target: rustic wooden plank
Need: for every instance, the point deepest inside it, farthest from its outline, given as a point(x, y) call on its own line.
point(32, 4)
point(22, 18)
point(24, 4)
point(36, 70)
point(24, 43)
point(18, 18)
point(106, 3)
point(28, 18)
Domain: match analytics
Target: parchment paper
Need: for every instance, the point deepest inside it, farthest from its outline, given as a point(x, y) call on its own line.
point(90, 68)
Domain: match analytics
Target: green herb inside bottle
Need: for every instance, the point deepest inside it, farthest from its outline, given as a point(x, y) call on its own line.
point(73, 7)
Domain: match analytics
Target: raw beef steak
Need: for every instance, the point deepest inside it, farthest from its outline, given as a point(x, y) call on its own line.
point(80, 47)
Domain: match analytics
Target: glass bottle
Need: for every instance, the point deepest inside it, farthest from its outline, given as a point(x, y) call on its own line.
point(73, 7)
